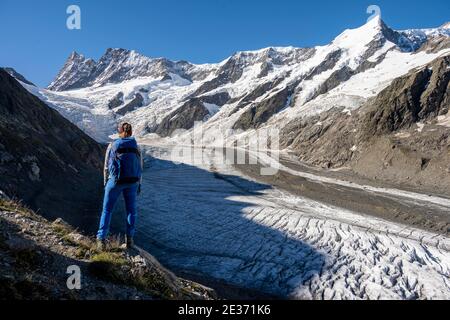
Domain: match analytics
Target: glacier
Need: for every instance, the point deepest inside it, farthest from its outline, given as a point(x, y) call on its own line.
point(222, 225)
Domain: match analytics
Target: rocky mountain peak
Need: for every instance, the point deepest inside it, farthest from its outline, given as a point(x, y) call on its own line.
point(74, 55)
point(119, 54)
point(114, 66)
point(374, 33)
point(74, 73)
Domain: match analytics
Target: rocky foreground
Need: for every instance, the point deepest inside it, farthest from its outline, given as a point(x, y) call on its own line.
point(35, 255)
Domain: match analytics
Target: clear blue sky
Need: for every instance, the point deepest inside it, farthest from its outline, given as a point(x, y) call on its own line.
point(34, 38)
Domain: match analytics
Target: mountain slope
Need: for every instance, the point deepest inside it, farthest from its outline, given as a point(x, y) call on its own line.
point(44, 159)
point(401, 136)
point(18, 76)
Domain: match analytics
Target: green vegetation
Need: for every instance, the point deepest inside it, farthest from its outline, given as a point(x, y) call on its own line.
point(154, 284)
point(113, 266)
point(61, 229)
point(18, 207)
point(110, 258)
point(108, 266)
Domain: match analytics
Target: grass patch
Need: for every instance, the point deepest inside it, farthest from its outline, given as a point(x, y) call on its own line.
point(112, 266)
point(154, 284)
point(109, 266)
point(110, 258)
point(61, 230)
point(87, 247)
point(69, 240)
point(84, 247)
point(114, 244)
point(18, 207)
point(81, 253)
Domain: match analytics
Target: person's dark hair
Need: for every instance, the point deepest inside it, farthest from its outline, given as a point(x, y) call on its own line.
point(126, 128)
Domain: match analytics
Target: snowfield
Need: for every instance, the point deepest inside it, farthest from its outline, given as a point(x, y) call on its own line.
point(210, 221)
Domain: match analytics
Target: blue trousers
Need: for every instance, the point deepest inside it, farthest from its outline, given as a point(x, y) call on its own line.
point(112, 193)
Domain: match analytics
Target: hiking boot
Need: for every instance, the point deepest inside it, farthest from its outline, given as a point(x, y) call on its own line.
point(101, 245)
point(129, 242)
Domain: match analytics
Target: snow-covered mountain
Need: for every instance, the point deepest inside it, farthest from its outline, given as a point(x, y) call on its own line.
point(247, 91)
point(118, 65)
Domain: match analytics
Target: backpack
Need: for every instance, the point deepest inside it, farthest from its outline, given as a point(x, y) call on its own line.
point(125, 161)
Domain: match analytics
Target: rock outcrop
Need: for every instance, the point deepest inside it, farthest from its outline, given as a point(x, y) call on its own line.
point(418, 96)
point(116, 101)
point(260, 112)
point(137, 102)
point(183, 118)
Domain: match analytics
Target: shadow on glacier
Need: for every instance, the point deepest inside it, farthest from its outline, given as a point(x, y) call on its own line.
point(194, 222)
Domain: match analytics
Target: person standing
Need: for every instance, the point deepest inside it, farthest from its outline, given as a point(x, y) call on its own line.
point(122, 175)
